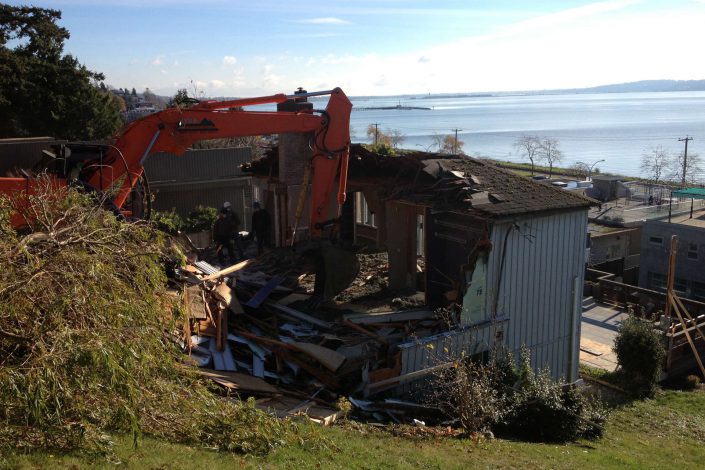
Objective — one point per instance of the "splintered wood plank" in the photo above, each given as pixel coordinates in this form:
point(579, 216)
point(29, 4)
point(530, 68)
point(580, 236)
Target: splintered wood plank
point(291, 298)
point(195, 303)
point(226, 271)
point(239, 382)
point(331, 360)
point(226, 294)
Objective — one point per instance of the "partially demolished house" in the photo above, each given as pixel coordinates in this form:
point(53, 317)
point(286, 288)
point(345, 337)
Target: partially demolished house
point(508, 250)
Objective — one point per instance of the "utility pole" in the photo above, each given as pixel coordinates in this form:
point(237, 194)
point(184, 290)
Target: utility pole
point(685, 157)
point(376, 124)
point(455, 142)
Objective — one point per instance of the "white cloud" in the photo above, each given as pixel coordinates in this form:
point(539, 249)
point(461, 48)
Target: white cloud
point(424, 60)
point(325, 20)
point(165, 72)
point(229, 60)
point(158, 60)
point(217, 84)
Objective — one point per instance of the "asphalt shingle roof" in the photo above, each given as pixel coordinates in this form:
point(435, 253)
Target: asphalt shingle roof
point(462, 182)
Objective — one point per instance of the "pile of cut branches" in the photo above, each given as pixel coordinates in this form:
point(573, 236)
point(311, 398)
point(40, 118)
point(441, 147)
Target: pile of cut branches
point(83, 348)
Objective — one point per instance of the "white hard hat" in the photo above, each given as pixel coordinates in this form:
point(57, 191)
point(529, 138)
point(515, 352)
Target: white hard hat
point(226, 205)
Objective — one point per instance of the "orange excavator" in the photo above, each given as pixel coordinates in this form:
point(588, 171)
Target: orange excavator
point(115, 169)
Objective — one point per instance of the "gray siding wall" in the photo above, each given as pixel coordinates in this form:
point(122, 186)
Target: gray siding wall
point(690, 263)
point(201, 177)
point(544, 262)
point(183, 197)
point(23, 153)
point(197, 165)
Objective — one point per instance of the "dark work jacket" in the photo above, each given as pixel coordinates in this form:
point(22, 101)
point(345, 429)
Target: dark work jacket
point(222, 229)
point(260, 222)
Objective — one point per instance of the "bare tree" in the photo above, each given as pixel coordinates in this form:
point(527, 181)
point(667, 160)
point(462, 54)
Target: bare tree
point(529, 146)
point(550, 153)
point(451, 145)
point(379, 138)
point(396, 137)
point(687, 171)
point(582, 170)
point(655, 163)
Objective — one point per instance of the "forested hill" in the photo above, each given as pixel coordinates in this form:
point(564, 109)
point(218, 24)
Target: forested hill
point(641, 86)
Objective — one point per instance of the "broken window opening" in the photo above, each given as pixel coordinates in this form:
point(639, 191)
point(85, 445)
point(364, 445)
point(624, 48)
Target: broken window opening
point(363, 215)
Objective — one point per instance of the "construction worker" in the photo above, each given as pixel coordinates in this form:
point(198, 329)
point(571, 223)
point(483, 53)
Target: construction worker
point(260, 226)
point(235, 219)
point(223, 237)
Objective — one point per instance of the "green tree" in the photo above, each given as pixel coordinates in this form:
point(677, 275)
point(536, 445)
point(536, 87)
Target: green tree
point(44, 91)
point(182, 99)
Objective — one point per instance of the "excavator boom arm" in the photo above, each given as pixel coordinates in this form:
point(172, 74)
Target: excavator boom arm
point(174, 130)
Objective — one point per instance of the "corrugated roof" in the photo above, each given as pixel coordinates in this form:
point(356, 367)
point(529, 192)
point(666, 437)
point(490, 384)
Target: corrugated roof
point(695, 193)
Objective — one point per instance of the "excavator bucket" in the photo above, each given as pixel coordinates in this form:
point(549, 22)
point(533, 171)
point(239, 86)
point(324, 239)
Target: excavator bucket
point(336, 268)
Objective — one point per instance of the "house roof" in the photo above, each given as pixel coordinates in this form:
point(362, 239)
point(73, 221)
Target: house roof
point(461, 182)
point(445, 181)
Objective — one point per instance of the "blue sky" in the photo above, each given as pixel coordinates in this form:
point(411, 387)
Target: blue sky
point(383, 47)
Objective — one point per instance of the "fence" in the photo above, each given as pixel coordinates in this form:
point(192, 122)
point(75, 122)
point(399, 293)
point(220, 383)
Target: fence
point(650, 303)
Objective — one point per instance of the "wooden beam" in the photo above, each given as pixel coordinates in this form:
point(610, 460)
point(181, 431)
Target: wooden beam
point(685, 310)
point(671, 274)
point(687, 335)
point(226, 271)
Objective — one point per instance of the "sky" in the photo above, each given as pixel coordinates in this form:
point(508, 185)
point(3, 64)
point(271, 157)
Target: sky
point(220, 48)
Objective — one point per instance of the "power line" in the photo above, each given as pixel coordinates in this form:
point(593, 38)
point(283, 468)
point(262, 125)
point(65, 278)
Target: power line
point(455, 142)
point(376, 124)
point(685, 157)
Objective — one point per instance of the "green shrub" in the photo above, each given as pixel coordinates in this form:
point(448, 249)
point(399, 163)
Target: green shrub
point(85, 339)
point(201, 218)
point(542, 409)
point(169, 222)
point(517, 401)
point(466, 392)
point(640, 355)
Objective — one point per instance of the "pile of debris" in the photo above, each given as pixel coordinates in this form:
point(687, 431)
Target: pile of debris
point(254, 333)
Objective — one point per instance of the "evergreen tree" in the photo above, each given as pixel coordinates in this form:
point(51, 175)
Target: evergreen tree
point(44, 91)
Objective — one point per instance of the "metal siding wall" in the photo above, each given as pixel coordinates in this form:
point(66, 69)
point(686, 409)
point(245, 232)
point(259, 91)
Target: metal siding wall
point(184, 197)
point(543, 257)
point(438, 349)
point(197, 164)
point(23, 153)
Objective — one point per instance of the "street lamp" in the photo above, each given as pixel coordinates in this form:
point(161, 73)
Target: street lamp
point(590, 167)
point(426, 149)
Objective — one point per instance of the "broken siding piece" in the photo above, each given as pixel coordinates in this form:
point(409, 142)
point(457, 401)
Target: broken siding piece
point(265, 291)
point(222, 360)
point(301, 316)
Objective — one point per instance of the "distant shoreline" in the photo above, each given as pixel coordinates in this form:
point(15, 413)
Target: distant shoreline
point(397, 107)
point(644, 86)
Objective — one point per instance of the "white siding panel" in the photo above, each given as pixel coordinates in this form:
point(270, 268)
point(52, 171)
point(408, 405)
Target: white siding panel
point(544, 255)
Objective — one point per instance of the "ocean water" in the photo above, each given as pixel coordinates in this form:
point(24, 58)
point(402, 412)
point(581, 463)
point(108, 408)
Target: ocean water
point(616, 127)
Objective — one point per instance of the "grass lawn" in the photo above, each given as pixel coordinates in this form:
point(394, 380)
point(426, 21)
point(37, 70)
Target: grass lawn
point(665, 432)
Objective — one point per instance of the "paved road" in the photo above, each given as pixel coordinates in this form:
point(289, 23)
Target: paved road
point(598, 330)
